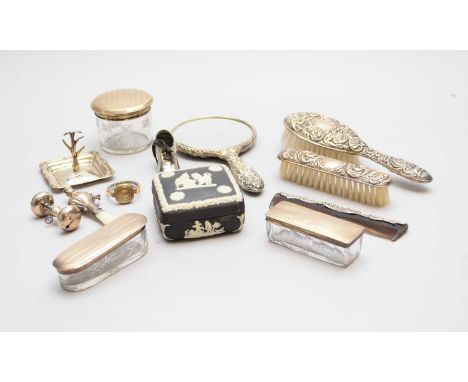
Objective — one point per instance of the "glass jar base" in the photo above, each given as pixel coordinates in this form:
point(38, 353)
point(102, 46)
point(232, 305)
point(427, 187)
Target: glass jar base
point(126, 144)
point(123, 152)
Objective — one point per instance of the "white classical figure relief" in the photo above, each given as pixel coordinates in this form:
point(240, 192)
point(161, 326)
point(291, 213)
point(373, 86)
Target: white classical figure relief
point(195, 180)
point(203, 180)
point(202, 231)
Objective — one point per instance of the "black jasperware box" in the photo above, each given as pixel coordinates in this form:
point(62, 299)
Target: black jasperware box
point(198, 202)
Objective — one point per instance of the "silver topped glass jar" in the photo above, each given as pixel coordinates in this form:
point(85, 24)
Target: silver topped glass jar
point(123, 118)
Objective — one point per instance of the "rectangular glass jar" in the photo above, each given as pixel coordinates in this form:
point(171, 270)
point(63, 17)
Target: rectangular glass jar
point(311, 246)
point(119, 243)
point(314, 233)
point(113, 262)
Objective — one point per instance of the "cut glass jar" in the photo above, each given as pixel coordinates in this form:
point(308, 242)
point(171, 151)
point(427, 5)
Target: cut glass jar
point(313, 233)
point(123, 118)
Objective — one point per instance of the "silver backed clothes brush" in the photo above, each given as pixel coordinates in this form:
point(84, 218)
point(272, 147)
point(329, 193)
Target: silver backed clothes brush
point(373, 225)
point(119, 243)
point(348, 180)
point(332, 138)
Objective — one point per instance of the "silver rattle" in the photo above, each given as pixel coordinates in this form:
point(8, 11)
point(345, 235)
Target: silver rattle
point(68, 218)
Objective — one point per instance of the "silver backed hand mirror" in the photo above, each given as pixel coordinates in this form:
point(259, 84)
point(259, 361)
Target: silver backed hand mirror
point(212, 137)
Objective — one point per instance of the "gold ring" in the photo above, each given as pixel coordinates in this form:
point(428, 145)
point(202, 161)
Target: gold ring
point(123, 191)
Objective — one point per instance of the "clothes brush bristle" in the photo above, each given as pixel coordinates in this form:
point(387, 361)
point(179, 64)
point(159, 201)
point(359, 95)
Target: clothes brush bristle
point(344, 187)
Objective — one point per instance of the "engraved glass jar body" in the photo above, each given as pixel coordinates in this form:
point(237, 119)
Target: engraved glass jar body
point(125, 136)
point(314, 247)
point(115, 261)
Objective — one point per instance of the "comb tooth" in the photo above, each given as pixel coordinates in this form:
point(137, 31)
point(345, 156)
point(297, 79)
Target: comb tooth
point(371, 227)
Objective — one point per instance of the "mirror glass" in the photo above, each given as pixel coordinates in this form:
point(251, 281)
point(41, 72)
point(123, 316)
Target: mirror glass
point(212, 134)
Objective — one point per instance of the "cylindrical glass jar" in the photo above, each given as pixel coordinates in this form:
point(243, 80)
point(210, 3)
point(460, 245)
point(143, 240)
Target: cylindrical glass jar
point(123, 118)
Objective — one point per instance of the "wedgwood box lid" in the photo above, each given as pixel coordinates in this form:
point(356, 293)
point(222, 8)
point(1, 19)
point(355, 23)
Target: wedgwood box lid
point(121, 104)
point(196, 193)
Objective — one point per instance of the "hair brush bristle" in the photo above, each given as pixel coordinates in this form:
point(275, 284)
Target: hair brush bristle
point(333, 184)
point(292, 140)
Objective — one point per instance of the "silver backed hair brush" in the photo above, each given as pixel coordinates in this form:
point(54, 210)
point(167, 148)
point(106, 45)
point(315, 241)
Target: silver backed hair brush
point(373, 225)
point(331, 138)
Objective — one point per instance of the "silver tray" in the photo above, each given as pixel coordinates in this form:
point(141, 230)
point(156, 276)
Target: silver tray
point(92, 167)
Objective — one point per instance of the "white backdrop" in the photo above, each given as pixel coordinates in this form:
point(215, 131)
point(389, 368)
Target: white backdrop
point(411, 105)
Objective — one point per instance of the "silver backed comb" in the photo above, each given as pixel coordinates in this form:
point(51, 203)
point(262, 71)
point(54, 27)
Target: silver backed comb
point(373, 225)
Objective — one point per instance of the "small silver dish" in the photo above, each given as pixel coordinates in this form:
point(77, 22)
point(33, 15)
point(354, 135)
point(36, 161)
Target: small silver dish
point(77, 169)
